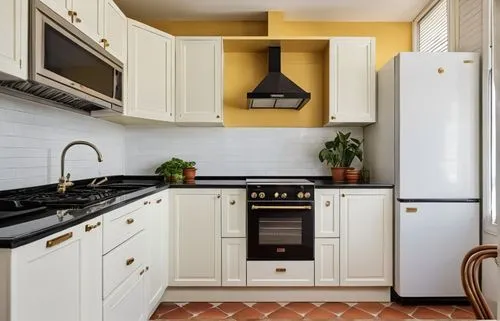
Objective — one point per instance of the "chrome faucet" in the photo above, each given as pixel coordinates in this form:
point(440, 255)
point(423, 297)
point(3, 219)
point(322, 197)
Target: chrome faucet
point(64, 181)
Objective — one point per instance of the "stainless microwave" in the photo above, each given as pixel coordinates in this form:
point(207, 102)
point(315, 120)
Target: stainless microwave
point(68, 67)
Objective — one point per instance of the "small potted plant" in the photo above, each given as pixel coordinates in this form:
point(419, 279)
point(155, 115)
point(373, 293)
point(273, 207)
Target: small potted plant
point(339, 154)
point(171, 170)
point(189, 172)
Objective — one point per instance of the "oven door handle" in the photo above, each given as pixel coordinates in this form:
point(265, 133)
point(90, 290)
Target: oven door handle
point(276, 207)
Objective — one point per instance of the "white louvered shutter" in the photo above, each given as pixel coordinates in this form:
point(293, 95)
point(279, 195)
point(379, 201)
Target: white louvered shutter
point(433, 29)
point(470, 25)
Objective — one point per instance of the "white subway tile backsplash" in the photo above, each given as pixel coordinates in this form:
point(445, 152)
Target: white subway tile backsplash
point(231, 151)
point(32, 137)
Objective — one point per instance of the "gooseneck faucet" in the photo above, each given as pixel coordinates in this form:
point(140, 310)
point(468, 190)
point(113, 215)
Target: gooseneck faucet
point(64, 180)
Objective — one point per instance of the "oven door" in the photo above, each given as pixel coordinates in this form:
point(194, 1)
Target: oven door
point(280, 231)
point(66, 60)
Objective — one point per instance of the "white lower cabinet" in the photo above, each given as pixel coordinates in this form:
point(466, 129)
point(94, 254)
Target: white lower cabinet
point(59, 277)
point(234, 262)
point(156, 263)
point(280, 273)
point(326, 262)
point(234, 210)
point(366, 217)
point(195, 231)
point(128, 301)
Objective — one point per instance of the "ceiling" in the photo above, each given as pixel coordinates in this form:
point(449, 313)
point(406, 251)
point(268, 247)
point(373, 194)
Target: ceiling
point(298, 10)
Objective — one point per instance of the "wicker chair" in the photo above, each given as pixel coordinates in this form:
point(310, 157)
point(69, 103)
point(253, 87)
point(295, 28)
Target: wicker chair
point(470, 279)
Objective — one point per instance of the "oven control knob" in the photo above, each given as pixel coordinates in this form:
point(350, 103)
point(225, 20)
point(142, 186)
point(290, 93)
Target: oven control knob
point(253, 195)
point(307, 195)
point(276, 195)
point(300, 195)
point(262, 195)
point(283, 195)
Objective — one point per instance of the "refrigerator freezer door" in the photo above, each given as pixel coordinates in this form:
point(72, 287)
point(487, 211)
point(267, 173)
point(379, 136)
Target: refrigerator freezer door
point(431, 241)
point(439, 99)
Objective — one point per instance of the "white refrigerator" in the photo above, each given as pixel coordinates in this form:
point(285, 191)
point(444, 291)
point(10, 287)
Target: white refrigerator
point(426, 141)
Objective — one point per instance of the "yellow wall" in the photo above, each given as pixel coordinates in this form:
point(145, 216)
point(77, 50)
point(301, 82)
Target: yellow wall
point(243, 71)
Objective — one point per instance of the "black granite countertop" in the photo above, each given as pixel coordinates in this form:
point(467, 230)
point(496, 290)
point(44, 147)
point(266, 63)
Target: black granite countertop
point(18, 231)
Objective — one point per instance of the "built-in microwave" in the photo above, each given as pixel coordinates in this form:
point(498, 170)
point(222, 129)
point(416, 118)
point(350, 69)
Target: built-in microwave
point(68, 67)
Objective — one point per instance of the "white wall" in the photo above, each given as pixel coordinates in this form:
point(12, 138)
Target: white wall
point(231, 151)
point(32, 137)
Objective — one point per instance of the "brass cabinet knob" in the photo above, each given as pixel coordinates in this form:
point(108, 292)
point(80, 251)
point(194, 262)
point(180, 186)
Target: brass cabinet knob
point(78, 20)
point(343, 195)
point(130, 261)
point(130, 220)
point(218, 116)
point(158, 201)
point(327, 203)
point(145, 202)
point(218, 196)
point(232, 202)
point(90, 227)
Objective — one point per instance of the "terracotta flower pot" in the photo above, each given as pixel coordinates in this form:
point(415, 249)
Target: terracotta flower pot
point(352, 175)
point(338, 174)
point(189, 174)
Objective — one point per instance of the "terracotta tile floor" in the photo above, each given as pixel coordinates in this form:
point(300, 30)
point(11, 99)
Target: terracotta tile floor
point(307, 311)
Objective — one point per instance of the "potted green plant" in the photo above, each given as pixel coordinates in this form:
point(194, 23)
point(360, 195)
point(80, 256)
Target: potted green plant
point(171, 170)
point(339, 154)
point(189, 171)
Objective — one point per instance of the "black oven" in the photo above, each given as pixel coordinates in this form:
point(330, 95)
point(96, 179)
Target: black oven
point(280, 217)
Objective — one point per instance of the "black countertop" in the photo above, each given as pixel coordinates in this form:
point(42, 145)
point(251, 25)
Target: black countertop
point(19, 231)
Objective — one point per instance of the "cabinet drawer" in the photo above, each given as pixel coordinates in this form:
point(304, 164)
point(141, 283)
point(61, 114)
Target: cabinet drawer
point(122, 261)
point(280, 273)
point(121, 224)
point(127, 302)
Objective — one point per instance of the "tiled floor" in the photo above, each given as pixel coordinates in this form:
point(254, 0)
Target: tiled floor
point(309, 311)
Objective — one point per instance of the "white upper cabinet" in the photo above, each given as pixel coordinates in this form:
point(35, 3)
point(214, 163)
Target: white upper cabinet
point(352, 81)
point(14, 39)
point(150, 89)
point(234, 210)
point(115, 31)
point(199, 82)
point(195, 237)
point(88, 16)
point(61, 7)
point(366, 237)
point(327, 214)
point(59, 278)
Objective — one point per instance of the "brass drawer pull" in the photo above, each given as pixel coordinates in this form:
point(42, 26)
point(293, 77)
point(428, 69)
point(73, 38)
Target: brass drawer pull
point(145, 202)
point(90, 227)
point(411, 210)
point(280, 269)
point(130, 261)
point(59, 239)
point(142, 272)
point(130, 221)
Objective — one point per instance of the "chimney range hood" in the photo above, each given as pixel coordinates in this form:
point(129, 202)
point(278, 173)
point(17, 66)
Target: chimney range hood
point(276, 90)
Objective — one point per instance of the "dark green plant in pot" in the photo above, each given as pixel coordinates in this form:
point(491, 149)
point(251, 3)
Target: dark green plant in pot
point(339, 154)
point(171, 170)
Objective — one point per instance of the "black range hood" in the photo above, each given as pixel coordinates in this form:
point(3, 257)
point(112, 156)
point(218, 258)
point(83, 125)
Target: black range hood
point(276, 90)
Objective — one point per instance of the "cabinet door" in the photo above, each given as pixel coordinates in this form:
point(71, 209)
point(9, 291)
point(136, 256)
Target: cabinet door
point(195, 253)
point(14, 39)
point(61, 7)
point(326, 262)
point(155, 277)
point(115, 31)
point(234, 209)
point(150, 73)
point(234, 262)
point(59, 278)
point(366, 217)
point(199, 80)
point(89, 17)
point(327, 208)
point(352, 81)
point(127, 301)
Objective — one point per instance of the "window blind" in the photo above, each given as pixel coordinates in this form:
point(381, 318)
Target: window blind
point(433, 29)
point(470, 25)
